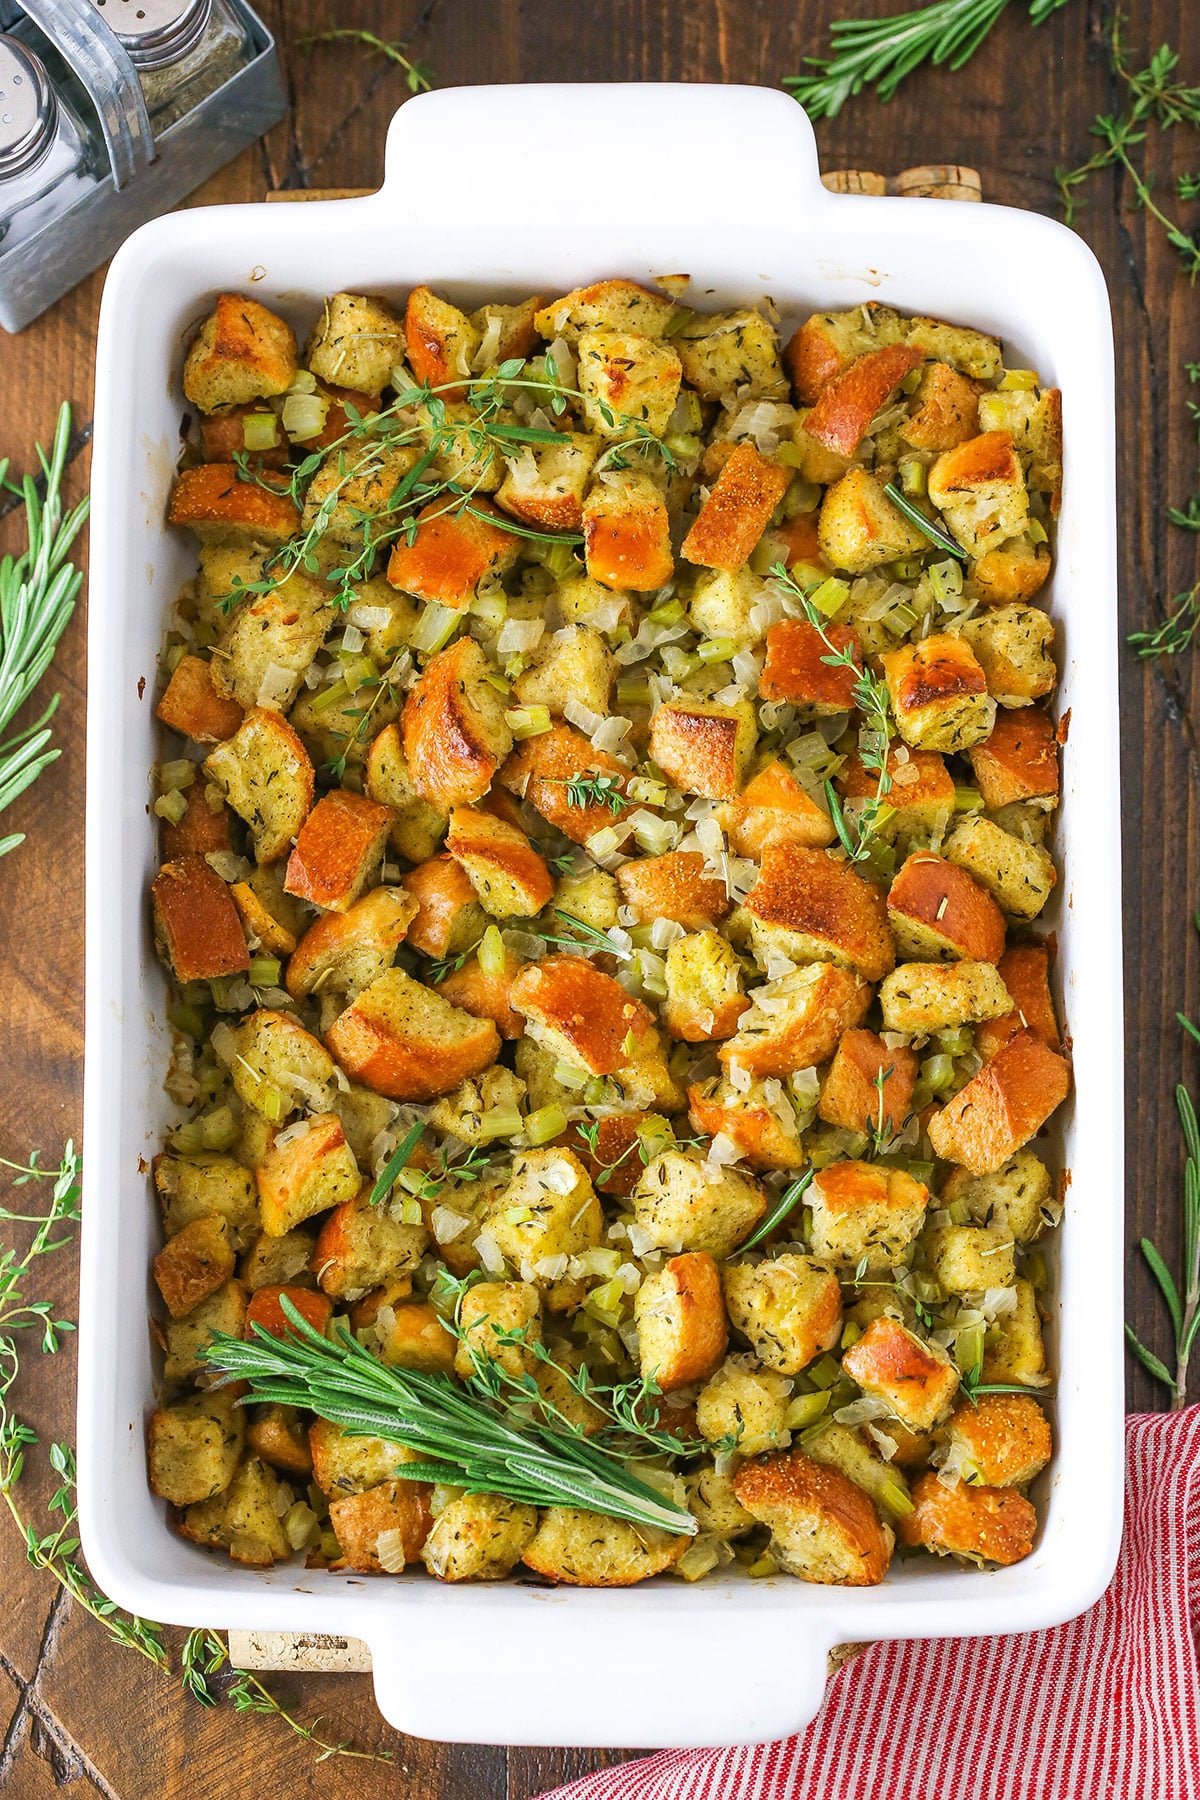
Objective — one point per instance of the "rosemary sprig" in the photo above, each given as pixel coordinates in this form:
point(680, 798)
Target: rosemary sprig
point(970, 1384)
point(783, 1208)
point(1177, 629)
point(37, 597)
point(418, 77)
point(386, 1179)
point(923, 523)
point(1184, 1309)
point(583, 935)
point(427, 1184)
point(204, 1657)
point(462, 1439)
point(881, 52)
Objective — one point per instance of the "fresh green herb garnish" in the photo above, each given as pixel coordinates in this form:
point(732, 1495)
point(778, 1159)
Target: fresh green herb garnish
point(1184, 1308)
point(923, 522)
point(386, 1179)
point(585, 935)
point(1177, 629)
point(783, 1208)
point(204, 1657)
point(596, 790)
point(418, 77)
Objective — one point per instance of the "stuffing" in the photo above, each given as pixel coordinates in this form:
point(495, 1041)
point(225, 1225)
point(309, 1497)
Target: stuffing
point(771, 807)
point(1033, 417)
point(343, 953)
point(1014, 571)
point(980, 1524)
point(715, 1506)
point(448, 918)
point(265, 1310)
point(797, 1021)
point(869, 1086)
point(357, 343)
point(938, 912)
point(194, 1187)
point(763, 1130)
point(859, 528)
point(338, 850)
point(622, 1145)
point(1003, 1440)
point(487, 993)
point(915, 1379)
point(682, 1329)
point(920, 794)
point(939, 693)
point(361, 1246)
point(352, 488)
point(273, 920)
point(490, 1313)
point(196, 924)
point(841, 1447)
point(1017, 1199)
point(865, 1210)
point(265, 774)
point(309, 1168)
point(510, 878)
point(215, 503)
point(1020, 877)
point(585, 1549)
point(507, 331)
point(797, 669)
point(193, 1264)
point(195, 1448)
point(383, 1528)
point(682, 1202)
point(722, 603)
point(1002, 1107)
point(192, 706)
point(704, 746)
point(1025, 971)
point(627, 533)
point(478, 1537)
point(704, 988)
point(979, 489)
point(846, 405)
point(733, 353)
point(549, 1210)
point(823, 1527)
point(344, 1463)
point(737, 511)
point(572, 664)
point(789, 1310)
point(542, 769)
point(414, 1337)
point(441, 341)
point(745, 1404)
point(1012, 646)
point(278, 1261)
point(462, 1113)
point(675, 886)
point(404, 1040)
point(1018, 761)
point(451, 552)
point(278, 1437)
point(243, 352)
point(808, 906)
point(201, 830)
point(1013, 1349)
point(827, 343)
point(269, 641)
point(187, 1339)
point(583, 1016)
point(944, 411)
point(919, 998)
point(627, 380)
point(968, 1259)
point(417, 827)
point(972, 353)
point(279, 1068)
point(245, 1519)
point(453, 728)
point(605, 306)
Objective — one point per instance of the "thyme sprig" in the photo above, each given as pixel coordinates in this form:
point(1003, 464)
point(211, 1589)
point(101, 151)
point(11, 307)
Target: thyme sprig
point(882, 52)
point(418, 77)
point(596, 790)
point(204, 1657)
point(1184, 1308)
point(1177, 630)
point(1188, 517)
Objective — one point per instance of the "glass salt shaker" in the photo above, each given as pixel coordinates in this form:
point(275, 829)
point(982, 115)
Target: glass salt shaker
point(182, 50)
point(48, 156)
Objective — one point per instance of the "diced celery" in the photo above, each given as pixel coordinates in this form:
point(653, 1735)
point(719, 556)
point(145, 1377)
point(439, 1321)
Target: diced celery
point(959, 1212)
point(967, 799)
point(500, 1121)
point(762, 1565)
point(633, 690)
point(492, 955)
point(912, 381)
point(331, 696)
point(498, 682)
point(765, 554)
point(938, 1072)
point(527, 721)
point(1020, 378)
point(895, 1498)
point(805, 1410)
point(669, 613)
point(920, 1171)
point(188, 1138)
point(913, 479)
point(717, 650)
point(304, 416)
point(790, 455)
point(1037, 531)
point(435, 627)
point(830, 597)
point(683, 444)
point(260, 431)
point(1034, 1269)
point(188, 1019)
point(205, 633)
point(957, 1039)
point(802, 497)
point(806, 575)
point(178, 774)
point(646, 791)
point(546, 1123)
point(264, 971)
point(968, 1348)
point(928, 1291)
point(595, 1091)
point(560, 560)
point(825, 1372)
point(219, 1129)
point(850, 1334)
point(945, 578)
point(303, 382)
point(175, 656)
point(410, 1212)
point(270, 1102)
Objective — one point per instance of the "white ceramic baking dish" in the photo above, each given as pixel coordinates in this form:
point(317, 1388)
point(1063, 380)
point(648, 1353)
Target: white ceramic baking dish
point(503, 191)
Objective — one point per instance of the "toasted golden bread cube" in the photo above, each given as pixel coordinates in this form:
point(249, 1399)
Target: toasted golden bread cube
point(682, 1329)
point(920, 794)
point(823, 1527)
point(507, 331)
point(811, 908)
point(269, 641)
point(797, 1021)
point(356, 343)
point(192, 1187)
point(542, 768)
point(461, 1114)
point(859, 528)
point(441, 342)
point(771, 807)
point(280, 1068)
point(192, 706)
point(763, 1128)
point(747, 1404)
point(862, 1209)
point(362, 1246)
point(187, 1339)
point(266, 776)
point(345, 1464)
point(623, 1143)
point(723, 602)
point(585, 1549)
point(841, 1447)
point(627, 380)
point(452, 551)
point(922, 997)
point(828, 342)
point(675, 886)
point(968, 1259)
point(196, 923)
point(797, 670)
point(510, 878)
point(1017, 1199)
point(548, 1211)
point(627, 534)
point(944, 412)
point(1014, 571)
point(201, 830)
point(980, 1524)
point(683, 1202)
point(916, 1379)
point(266, 1312)
point(487, 994)
point(939, 693)
point(491, 1309)
point(732, 353)
point(704, 746)
point(1014, 1350)
point(847, 403)
point(580, 600)
point(452, 432)
point(1034, 418)
point(868, 1087)
point(583, 1016)
point(715, 1506)
point(273, 920)
point(1025, 971)
point(572, 664)
point(338, 850)
point(1003, 1440)
point(704, 988)
point(453, 729)
point(343, 953)
point(278, 1436)
point(384, 1528)
point(592, 897)
point(449, 918)
point(1020, 877)
point(606, 306)
point(353, 485)
point(413, 1337)
point(404, 1040)
point(243, 352)
point(1012, 645)
point(789, 1308)
point(1002, 1107)
point(225, 574)
point(309, 1168)
point(220, 507)
point(972, 353)
point(417, 827)
point(245, 1519)
point(197, 1260)
point(737, 511)
point(478, 1537)
point(938, 912)
point(1018, 761)
point(195, 1448)
point(277, 1261)
point(979, 489)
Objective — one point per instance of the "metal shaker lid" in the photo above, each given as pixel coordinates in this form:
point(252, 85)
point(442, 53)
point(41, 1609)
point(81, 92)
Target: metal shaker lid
point(155, 32)
point(28, 109)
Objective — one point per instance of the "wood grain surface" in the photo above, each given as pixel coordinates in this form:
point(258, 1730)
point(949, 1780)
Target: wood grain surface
point(86, 1716)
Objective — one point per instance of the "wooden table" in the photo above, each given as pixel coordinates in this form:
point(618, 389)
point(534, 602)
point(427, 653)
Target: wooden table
point(79, 1708)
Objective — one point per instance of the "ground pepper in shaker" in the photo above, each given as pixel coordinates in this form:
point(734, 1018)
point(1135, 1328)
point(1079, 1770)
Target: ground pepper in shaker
point(182, 50)
point(48, 160)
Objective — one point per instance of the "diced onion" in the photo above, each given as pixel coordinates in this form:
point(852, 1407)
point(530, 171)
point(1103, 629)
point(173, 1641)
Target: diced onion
point(519, 635)
point(304, 416)
point(581, 716)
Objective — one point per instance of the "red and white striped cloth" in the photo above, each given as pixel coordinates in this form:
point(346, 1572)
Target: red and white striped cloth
point(1106, 1707)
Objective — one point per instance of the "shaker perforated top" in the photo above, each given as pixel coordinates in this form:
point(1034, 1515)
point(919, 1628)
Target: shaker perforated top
point(155, 32)
point(28, 109)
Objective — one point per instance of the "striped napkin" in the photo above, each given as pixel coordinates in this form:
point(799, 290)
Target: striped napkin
point(1106, 1707)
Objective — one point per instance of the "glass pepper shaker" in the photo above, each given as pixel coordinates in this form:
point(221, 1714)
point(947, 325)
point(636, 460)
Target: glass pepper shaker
point(182, 50)
point(48, 156)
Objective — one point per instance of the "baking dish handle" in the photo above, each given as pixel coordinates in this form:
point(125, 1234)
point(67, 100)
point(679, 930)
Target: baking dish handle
point(557, 151)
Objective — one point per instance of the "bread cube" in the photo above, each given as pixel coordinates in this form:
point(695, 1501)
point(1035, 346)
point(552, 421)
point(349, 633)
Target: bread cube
point(944, 412)
point(384, 1528)
point(280, 1068)
point(627, 380)
point(194, 1262)
point(572, 664)
point(404, 1040)
point(623, 1143)
point(823, 1527)
point(1003, 1440)
point(714, 1505)
point(195, 1448)
point(581, 1015)
point(478, 1537)
point(789, 1308)
point(1020, 877)
point(797, 1021)
point(916, 1379)
point(353, 486)
point(771, 807)
point(448, 917)
point(745, 1404)
point(187, 1339)
point(191, 705)
point(225, 574)
point(487, 994)
point(868, 1087)
point(575, 602)
point(921, 792)
point(345, 1464)
point(223, 437)
point(841, 1447)
point(704, 988)
point(592, 897)
point(414, 1337)
point(278, 1436)
point(737, 510)
point(461, 1113)
point(417, 827)
point(829, 342)
point(1018, 761)
point(1015, 1200)
point(549, 1210)
point(451, 552)
point(605, 306)
point(508, 331)
point(682, 1329)
point(441, 342)
point(675, 886)
point(1025, 971)
point(266, 776)
point(815, 463)
point(966, 1259)
point(309, 1168)
point(243, 352)
point(266, 1309)
point(453, 727)
point(865, 1210)
point(1014, 571)
point(363, 1246)
point(193, 1187)
point(585, 1549)
point(971, 352)
point(703, 746)
point(859, 528)
point(979, 489)
point(731, 354)
point(763, 1130)
point(338, 850)
point(626, 533)
point(1002, 1107)
point(490, 1314)
point(1014, 1350)
point(810, 907)
point(979, 1524)
point(343, 953)
point(1034, 418)
point(1012, 646)
point(848, 402)
point(200, 831)
point(269, 641)
point(922, 997)
point(196, 924)
point(938, 913)
point(273, 920)
point(797, 670)
point(722, 603)
point(541, 770)
point(939, 693)
point(278, 1262)
point(221, 507)
point(506, 872)
point(357, 343)
point(685, 1203)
